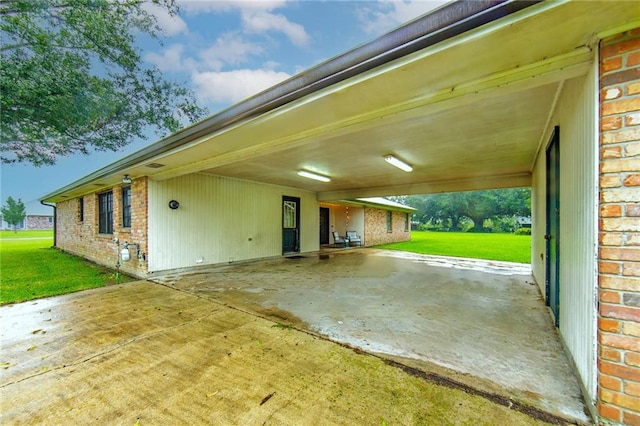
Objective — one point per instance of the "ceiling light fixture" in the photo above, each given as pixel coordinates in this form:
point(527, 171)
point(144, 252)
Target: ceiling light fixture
point(398, 163)
point(126, 179)
point(315, 176)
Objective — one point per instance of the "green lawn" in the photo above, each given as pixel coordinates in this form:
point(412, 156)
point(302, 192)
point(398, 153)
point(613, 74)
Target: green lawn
point(31, 269)
point(505, 247)
point(26, 234)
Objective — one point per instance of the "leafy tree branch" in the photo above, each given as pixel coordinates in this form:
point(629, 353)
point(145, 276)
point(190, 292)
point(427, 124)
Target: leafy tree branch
point(72, 79)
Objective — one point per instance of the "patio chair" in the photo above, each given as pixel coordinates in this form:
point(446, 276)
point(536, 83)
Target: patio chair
point(354, 239)
point(338, 241)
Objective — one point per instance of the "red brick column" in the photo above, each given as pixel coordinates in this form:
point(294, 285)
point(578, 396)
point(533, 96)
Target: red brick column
point(619, 227)
point(140, 218)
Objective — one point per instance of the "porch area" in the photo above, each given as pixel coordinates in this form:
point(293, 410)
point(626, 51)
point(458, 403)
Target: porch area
point(480, 323)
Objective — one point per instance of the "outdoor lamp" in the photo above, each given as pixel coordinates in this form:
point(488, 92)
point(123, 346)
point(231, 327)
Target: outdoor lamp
point(126, 179)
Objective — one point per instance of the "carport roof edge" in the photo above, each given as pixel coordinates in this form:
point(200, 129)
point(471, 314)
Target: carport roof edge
point(439, 25)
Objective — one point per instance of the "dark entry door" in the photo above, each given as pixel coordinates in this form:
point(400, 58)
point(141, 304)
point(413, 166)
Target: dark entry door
point(290, 224)
point(324, 225)
point(553, 226)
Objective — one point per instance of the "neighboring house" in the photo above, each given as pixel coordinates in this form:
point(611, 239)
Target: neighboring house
point(474, 95)
point(38, 217)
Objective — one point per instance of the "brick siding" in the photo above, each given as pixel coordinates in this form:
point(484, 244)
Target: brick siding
point(375, 227)
point(82, 237)
point(619, 227)
point(39, 222)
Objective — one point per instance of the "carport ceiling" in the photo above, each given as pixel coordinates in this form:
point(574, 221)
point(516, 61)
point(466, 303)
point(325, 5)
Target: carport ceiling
point(470, 112)
point(474, 140)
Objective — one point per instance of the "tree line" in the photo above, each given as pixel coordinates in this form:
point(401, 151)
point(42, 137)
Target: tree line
point(475, 211)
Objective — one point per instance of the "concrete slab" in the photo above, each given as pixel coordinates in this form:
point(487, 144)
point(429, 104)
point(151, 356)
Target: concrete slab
point(480, 322)
point(142, 353)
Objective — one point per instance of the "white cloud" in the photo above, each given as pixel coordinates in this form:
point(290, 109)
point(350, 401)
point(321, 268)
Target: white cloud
point(217, 6)
point(228, 49)
point(233, 86)
point(171, 25)
point(271, 65)
point(408, 10)
point(263, 21)
point(257, 16)
point(169, 60)
point(388, 14)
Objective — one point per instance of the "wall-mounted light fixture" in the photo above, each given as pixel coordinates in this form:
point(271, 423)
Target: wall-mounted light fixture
point(173, 204)
point(398, 163)
point(314, 176)
point(126, 179)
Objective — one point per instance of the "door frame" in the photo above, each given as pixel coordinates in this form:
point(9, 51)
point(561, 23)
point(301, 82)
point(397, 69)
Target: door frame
point(552, 229)
point(296, 228)
point(325, 238)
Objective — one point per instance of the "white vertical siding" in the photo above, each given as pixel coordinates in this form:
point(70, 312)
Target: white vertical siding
point(221, 219)
point(576, 116)
point(538, 220)
point(578, 224)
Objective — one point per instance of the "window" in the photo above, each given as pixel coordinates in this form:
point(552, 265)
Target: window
point(389, 221)
point(406, 222)
point(105, 213)
point(126, 207)
point(81, 209)
point(289, 215)
point(50, 219)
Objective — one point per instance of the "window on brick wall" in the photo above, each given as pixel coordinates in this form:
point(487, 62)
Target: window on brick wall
point(389, 221)
point(81, 209)
point(105, 213)
point(406, 222)
point(126, 207)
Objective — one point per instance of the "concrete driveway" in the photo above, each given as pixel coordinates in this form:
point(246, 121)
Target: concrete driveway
point(213, 347)
point(482, 323)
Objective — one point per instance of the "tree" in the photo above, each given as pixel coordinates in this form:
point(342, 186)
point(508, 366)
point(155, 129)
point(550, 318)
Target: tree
point(13, 213)
point(451, 209)
point(72, 80)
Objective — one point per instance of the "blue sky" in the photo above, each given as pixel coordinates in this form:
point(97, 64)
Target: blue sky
point(227, 51)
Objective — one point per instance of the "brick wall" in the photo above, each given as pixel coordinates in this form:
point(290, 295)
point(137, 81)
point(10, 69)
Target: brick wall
point(39, 222)
point(82, 237)
point(375, 227)
point(619, 226)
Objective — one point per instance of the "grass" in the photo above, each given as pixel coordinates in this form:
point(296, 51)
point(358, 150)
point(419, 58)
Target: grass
point(504, 247)
point(26, 234)
point(31, 268)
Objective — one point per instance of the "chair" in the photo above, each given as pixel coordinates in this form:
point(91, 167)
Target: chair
point(353, 238)
point(338, 241)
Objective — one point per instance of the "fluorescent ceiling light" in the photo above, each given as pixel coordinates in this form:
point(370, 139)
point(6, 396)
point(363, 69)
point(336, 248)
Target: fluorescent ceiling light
point(398, 163)
point(310, 175)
